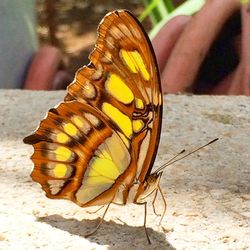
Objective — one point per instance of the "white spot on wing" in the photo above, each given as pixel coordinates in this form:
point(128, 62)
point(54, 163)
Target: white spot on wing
point(92, 119)
point(98, 72)
point(143, 153)
point(55, 186)
point(135, 32)
point(125, 30)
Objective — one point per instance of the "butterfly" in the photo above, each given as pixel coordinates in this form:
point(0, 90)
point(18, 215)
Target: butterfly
point(98, 146)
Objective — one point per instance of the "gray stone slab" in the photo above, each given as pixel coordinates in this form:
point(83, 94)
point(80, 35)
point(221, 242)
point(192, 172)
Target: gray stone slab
point(208, 193)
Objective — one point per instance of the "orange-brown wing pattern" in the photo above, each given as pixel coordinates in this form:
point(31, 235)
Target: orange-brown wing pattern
point(72, 144)
point(124, 50)
point(92, 147)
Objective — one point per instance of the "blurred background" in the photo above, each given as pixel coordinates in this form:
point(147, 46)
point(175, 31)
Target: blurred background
point(44, 42)
point(71, 24)
point(69, 28)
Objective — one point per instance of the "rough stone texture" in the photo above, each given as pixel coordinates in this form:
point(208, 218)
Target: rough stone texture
point(208, 193)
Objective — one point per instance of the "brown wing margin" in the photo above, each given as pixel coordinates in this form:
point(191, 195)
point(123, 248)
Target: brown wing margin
point(156, 108)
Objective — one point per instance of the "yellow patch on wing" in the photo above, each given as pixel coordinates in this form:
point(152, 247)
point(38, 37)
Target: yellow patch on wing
point(139, 103)
point(137, 125)
point(62, 137)
point(116, 87)
point(110, 161)
point(103, 167)
point(101, 176)
point(63, 154)
point(117, 151)
point(56, 169)
point(135, 62)
point(95, 180)
point(70, 129)
point(60, 170)
point(89, 190)
point(124, 139)
point(77, 121)
point(119, 118)
point(104, 154)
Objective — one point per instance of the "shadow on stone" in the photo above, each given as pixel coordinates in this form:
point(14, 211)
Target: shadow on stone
point(117, 236)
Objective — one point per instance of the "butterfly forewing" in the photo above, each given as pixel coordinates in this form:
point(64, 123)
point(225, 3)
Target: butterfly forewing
point(91, 148)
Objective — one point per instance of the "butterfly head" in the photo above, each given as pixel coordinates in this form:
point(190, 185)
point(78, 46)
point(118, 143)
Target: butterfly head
point(154, 178)
point(149, 186)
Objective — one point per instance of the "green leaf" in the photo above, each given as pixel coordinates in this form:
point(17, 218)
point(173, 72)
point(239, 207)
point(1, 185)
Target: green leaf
point(148, 9)
point(187, 8)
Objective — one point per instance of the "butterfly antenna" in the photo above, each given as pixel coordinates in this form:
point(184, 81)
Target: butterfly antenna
point(173, 160)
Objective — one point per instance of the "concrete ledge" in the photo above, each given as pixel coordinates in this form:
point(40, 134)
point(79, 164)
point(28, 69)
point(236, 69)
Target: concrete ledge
point(208, 193)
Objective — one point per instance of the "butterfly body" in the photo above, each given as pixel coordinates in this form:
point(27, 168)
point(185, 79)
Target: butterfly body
point(98, 146)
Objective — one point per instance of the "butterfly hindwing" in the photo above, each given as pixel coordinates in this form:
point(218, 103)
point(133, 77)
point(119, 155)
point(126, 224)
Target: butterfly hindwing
point(77, 155)
point(92, 147)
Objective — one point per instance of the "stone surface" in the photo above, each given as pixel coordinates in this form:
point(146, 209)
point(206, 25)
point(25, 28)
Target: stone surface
point(207, 193)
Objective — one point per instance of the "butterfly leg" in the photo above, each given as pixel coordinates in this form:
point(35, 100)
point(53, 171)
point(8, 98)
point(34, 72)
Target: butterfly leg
point(153, 203)
point(100, 222)
point(145, 219)
point(164, 202)
point(93, 212)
